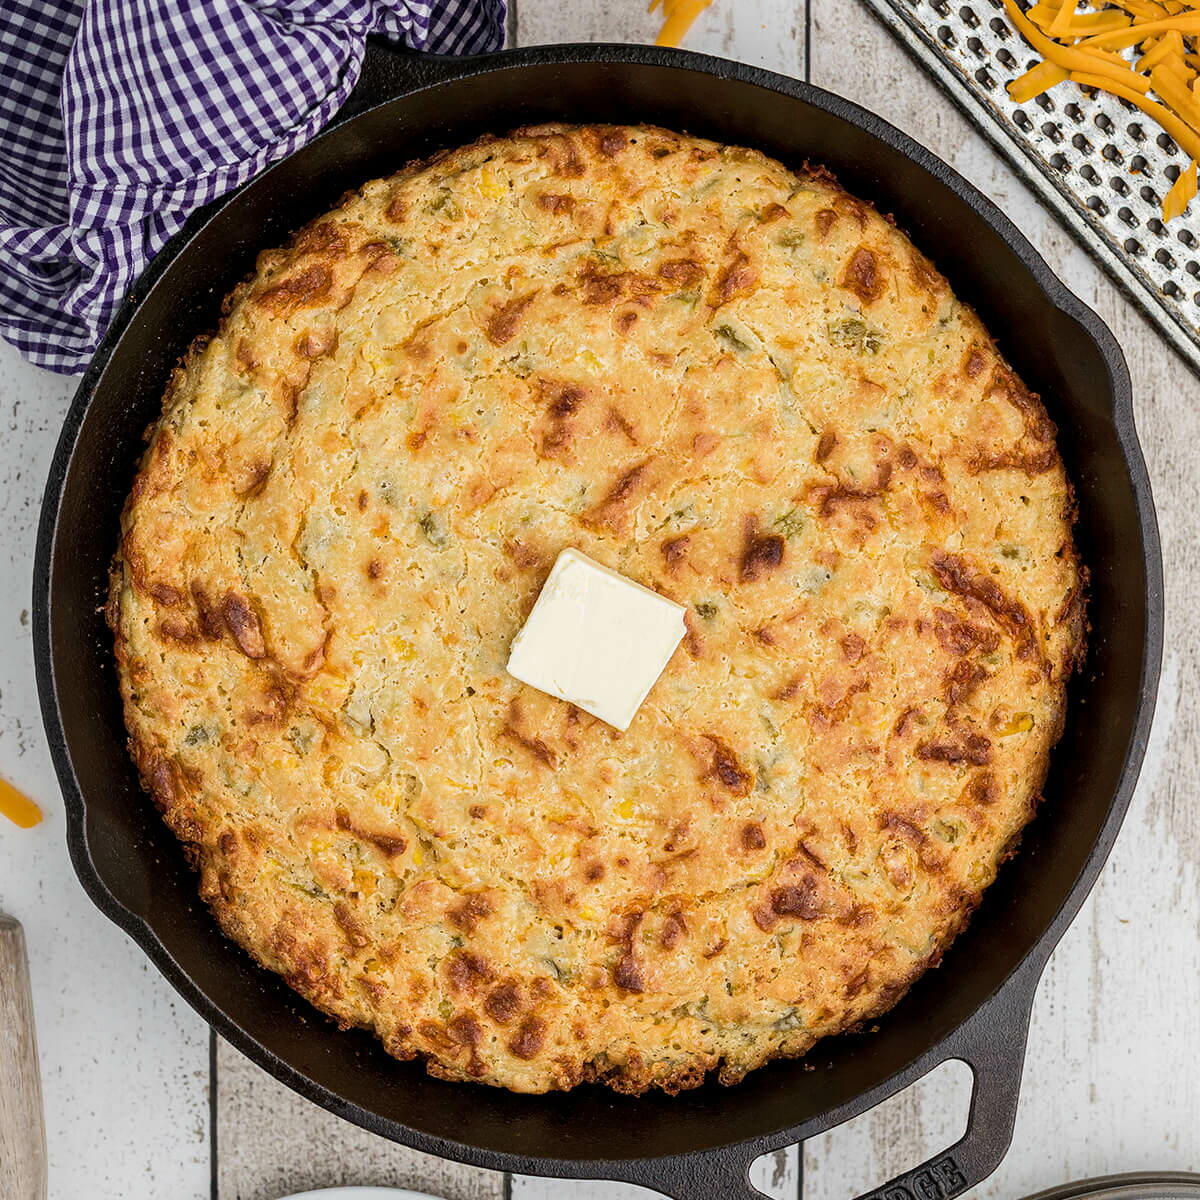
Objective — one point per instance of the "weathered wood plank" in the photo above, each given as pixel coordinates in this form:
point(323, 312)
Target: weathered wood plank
point(770, 34)
point(775, 1175)
point(903, 1131)
point(272, 1142)
point(124, 1061)
point(767, 33)
point(1108, 1081)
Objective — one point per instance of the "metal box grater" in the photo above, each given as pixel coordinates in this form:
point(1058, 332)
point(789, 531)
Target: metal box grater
point(1100, 164)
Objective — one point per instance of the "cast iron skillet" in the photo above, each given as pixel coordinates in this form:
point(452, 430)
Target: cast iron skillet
point(698, 1145)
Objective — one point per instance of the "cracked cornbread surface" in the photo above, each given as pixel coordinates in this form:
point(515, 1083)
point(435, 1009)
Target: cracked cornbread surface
point(735, 384)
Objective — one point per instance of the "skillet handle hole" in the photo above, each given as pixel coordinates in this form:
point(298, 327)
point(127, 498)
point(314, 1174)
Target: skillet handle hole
point(908, 1128)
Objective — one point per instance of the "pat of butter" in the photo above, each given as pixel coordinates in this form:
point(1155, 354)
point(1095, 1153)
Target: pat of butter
point(596, 639)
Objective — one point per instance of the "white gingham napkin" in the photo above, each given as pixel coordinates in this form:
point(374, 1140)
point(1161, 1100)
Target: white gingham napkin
point(119, 117)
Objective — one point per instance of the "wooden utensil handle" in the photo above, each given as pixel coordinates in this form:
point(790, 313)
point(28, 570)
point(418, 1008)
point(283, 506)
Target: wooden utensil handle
point(22, 1129)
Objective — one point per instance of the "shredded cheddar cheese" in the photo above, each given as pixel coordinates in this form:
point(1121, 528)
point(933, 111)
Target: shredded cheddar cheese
point(18, 808)
point(1140, 8)
point(678, 16)
point(1086, 48)
point(1077, 25)
point(1036, 81)
point(1181, 193)
point(1161, 50)
point(1137, 33)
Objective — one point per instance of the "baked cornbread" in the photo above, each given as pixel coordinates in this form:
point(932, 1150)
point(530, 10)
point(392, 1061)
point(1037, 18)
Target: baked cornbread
point(734, 383)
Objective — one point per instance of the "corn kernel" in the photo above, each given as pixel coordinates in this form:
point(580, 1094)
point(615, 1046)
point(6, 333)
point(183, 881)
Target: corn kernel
point(17, 807)
point(625, 809)
point(403, 649)
point(489, 186)
point(1020, 723)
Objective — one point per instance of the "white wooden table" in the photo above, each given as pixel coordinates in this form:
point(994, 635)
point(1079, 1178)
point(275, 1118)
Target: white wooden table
point(143, 1103)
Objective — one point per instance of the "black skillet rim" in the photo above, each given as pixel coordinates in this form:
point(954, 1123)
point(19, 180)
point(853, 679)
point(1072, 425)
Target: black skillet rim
point(427, 72)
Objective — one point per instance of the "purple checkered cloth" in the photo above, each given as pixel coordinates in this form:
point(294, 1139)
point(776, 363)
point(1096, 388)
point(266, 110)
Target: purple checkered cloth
point(119, 117)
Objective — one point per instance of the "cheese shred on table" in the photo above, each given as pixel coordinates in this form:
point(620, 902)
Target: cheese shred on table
point(678, 16)
point(17, 807)
point(1084, 47)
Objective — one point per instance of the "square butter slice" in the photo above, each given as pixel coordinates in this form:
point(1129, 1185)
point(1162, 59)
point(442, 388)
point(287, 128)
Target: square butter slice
point(596, 639)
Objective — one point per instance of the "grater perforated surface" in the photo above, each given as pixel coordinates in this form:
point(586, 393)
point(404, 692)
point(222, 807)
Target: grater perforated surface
point(1097, 161)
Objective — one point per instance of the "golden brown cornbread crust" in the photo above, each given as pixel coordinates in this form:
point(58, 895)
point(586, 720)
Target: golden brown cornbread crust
point(736, 384)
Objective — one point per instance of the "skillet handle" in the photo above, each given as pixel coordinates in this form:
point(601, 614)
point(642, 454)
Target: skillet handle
point(722, 1174)
point(992, 1044)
